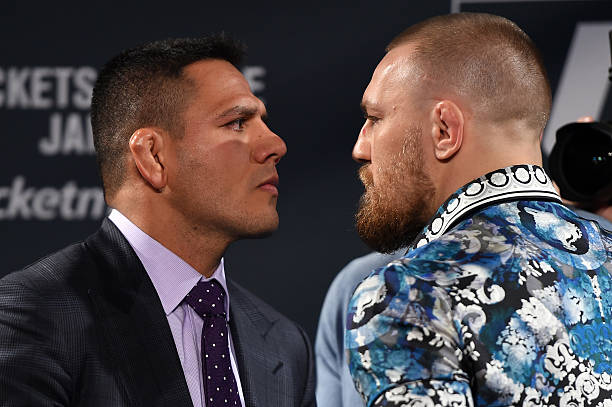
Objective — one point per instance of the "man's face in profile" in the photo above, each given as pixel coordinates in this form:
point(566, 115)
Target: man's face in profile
point(223, 167)
point(394, 207)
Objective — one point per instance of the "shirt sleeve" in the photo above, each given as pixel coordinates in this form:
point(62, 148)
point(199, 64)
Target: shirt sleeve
point(403, 345)
point(328, 354)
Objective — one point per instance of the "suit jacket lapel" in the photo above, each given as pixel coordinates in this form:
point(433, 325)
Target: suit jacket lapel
point(134, 324)
point(258, 363)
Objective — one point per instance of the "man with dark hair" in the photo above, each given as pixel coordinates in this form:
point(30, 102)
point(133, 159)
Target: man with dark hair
point(141, 313)
point(505, 295)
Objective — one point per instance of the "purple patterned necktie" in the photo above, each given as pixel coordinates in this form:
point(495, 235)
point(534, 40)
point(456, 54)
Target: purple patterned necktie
point(207, 299)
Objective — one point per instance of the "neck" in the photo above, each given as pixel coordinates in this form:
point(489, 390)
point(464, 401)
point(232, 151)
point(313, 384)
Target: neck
point(482, 153)
point(200, 248)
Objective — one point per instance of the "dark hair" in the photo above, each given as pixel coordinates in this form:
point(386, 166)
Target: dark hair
point(487, 58)
point(145, 86)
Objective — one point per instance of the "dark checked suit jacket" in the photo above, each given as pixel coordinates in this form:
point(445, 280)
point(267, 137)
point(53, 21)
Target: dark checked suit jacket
point(85, 327)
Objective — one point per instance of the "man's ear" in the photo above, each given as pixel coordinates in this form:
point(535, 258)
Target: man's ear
point(149, 155)
point(448, 127)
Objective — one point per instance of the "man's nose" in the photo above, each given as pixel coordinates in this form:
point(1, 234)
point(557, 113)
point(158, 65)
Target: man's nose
point(271, 146)
point(361, 150)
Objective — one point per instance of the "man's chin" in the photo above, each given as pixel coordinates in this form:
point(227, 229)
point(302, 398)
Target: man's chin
point(260, 228)
point(259, 234)
point(387, 244)
point(386, 234)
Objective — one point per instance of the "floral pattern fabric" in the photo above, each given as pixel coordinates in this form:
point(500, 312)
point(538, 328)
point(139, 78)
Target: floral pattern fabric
point(509, 305)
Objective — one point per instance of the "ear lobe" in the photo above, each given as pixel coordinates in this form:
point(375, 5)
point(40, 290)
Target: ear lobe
point(147, 149)
point(448, 129)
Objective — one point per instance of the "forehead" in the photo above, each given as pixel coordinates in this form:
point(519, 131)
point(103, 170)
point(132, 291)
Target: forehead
point(394, 78)
point(218, 84)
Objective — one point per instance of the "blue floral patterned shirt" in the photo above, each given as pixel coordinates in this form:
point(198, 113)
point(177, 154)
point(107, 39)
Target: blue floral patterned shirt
point(505, 299)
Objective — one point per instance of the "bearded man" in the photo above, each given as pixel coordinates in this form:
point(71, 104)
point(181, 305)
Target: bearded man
point(504, 296)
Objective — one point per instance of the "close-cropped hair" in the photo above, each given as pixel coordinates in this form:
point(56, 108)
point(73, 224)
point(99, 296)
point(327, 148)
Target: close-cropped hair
point(487, 59)
point(145, 87)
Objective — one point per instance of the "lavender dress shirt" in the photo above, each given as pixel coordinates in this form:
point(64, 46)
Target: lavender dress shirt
point(173, 278)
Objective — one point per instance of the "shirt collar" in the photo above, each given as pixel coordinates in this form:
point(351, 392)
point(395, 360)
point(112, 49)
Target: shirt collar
point(510, 183)
point(171, 276)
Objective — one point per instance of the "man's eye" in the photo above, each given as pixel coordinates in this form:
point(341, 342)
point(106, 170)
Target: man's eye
point(370, 118)
point(236, 125)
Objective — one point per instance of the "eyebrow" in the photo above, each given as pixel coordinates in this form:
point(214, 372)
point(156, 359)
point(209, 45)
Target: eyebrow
point(241, 110)
point(368, 105)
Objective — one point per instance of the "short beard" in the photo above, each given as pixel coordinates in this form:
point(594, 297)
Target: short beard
point(392, 213)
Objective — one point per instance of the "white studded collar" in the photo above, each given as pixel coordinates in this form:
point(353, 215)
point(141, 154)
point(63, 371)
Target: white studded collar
point(510, 183)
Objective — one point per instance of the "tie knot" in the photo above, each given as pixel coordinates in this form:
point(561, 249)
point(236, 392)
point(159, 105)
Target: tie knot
point(207, 298)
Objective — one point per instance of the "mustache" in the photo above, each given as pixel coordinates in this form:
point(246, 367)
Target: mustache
point(365, 175)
